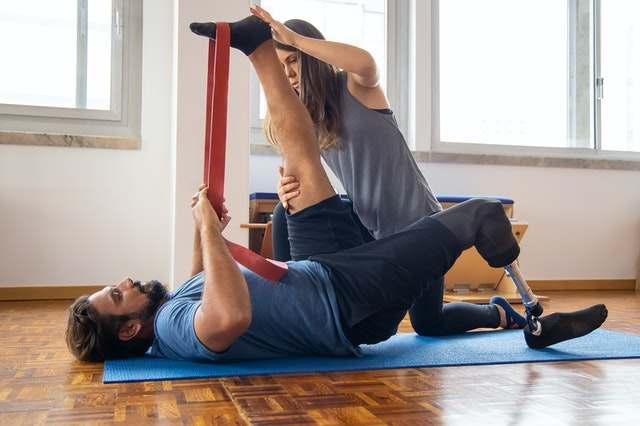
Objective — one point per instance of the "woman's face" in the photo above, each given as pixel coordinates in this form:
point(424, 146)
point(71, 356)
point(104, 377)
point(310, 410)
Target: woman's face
point(291, 66)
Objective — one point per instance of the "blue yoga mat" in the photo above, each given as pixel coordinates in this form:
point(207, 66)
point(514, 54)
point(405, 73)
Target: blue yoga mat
point(400, 351)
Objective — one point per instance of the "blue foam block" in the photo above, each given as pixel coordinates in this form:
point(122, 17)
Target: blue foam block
point(400, 351)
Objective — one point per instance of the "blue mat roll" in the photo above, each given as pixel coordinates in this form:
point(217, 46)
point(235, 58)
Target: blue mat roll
point(400, 351)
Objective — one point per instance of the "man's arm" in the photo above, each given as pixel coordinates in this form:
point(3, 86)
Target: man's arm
point(225, 311)
point(196, 259)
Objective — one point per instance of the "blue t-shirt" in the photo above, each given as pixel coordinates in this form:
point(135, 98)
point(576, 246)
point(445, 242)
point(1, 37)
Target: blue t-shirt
point(297, 316)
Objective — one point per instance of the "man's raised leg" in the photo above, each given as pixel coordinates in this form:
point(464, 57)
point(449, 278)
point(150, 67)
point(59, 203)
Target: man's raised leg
point(290, 120)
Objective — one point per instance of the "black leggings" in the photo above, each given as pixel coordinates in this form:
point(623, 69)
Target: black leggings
point(332, 226)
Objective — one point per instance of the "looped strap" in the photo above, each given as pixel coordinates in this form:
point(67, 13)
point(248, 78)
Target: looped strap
point(215, 145)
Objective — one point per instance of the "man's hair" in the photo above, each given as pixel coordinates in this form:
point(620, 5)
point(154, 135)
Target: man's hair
point(94, 337)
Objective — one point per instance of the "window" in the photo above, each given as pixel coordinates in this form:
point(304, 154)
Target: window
point(71, 59)
point(551, 74)
point(620, 69)
point(358, 22)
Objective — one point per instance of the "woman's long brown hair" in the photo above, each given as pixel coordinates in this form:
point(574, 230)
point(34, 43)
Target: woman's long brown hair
point(319, 89)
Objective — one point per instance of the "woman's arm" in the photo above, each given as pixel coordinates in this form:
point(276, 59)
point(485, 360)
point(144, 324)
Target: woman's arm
point(349, 58)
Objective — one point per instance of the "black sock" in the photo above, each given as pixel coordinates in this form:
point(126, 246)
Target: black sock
point(246, 35)
point(559, 327)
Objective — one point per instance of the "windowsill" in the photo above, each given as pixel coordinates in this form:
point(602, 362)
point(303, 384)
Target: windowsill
point(515, 159)
point(72, 141)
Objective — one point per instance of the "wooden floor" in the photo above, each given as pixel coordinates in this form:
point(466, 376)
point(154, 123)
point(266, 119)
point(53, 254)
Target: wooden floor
point(41, 384)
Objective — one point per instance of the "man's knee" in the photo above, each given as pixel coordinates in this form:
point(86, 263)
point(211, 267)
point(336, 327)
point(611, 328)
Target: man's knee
point(494, 208)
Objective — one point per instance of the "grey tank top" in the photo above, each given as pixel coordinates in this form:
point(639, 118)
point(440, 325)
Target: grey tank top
point(376, 169)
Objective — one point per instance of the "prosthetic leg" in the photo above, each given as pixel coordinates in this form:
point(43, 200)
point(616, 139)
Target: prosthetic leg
point(529, 300)
point(482, 223)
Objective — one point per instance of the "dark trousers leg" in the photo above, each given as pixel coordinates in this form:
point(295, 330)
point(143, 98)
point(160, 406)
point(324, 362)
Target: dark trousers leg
point(428, 315)
point(280, 234)
point(383, 278)
point(431, 317)
point(326, 228)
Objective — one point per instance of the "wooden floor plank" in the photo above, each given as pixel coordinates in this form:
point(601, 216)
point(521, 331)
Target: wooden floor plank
point(41, 384)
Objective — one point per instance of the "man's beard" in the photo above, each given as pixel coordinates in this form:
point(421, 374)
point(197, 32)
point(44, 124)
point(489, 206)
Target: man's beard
point(156, 292)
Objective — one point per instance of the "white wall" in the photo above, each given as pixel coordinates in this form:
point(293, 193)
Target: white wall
point(84, 216)
point(584, 224)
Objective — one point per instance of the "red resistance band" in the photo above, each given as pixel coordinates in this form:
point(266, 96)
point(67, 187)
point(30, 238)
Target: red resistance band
point(214, 149)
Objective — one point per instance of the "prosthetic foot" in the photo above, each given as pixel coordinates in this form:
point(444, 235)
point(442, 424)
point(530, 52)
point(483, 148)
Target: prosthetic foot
point(541, 332)
point(558, 327)
point(246, 35)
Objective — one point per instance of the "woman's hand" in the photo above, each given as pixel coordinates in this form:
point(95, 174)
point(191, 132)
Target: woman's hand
point(287, 188)
point(203, 213)
point(281, 33)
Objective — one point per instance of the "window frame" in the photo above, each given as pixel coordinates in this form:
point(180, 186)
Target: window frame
point(426, 137)
point(123, 118)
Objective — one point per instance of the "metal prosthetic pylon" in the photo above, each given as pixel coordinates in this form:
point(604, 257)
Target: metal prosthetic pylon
point(530, 301)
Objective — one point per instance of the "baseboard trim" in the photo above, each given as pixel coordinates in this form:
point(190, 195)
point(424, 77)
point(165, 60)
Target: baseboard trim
point(72, 292)
point(559, 285)
point(46, 292)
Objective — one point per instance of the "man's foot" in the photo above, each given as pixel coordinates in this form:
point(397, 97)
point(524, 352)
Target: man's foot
point(509, 317)
point(246, 35)
point(559, 327)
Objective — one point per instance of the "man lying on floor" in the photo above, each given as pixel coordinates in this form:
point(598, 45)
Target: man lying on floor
point(327, 305)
